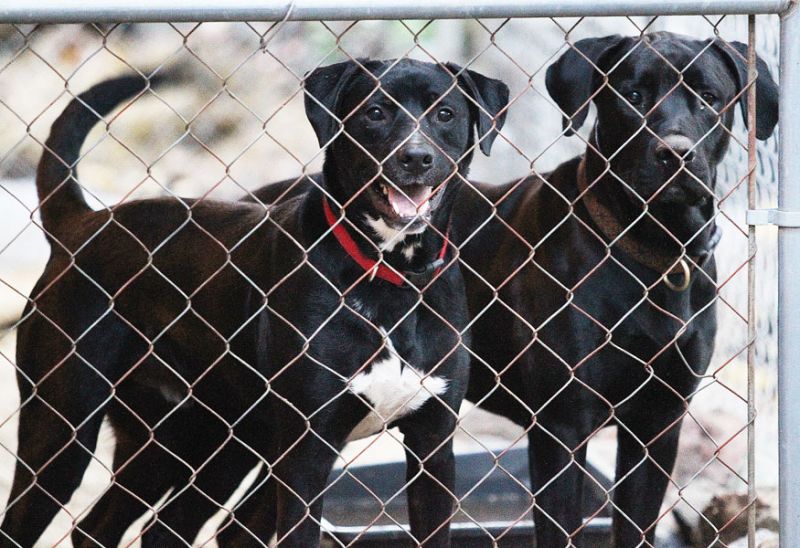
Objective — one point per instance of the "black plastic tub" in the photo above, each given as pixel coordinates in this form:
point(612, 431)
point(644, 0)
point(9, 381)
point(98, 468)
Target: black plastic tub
point(365, 510)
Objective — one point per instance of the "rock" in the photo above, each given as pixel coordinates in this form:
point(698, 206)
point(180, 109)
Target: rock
point(725, 521)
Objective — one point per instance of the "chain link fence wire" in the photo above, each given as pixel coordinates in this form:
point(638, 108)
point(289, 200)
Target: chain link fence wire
point(235, 122)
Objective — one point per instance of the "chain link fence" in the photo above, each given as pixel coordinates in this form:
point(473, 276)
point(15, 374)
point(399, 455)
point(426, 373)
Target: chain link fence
point(293, 248)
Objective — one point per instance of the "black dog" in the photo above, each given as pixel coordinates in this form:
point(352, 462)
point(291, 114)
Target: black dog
point(604, 271)
point(607, 291)
point(157, 311)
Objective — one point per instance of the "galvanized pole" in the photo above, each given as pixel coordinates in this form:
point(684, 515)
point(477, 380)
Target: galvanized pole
point(789, 281)
point(751, 284)
point(76, 11)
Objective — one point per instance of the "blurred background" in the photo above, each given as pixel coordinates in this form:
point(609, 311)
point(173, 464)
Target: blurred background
point(237, 123)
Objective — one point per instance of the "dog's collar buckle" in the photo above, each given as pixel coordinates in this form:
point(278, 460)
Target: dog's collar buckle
point(686, 272)
point(425, 275)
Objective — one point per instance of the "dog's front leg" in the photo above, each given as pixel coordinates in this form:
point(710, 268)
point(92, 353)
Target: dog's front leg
point(301, 471)
point(646, 451)
point(555, 461)
point(430, 473)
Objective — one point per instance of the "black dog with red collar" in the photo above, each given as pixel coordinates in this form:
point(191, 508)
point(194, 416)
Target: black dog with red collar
point(289, 343)
point(578, 325)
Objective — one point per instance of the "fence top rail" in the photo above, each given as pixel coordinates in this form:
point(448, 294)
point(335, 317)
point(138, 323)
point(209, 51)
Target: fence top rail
point(102, 11)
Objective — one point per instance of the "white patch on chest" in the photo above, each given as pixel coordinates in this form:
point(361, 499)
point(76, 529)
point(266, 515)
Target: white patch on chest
point(408, 251)
point(389, 236)
point(393, 391)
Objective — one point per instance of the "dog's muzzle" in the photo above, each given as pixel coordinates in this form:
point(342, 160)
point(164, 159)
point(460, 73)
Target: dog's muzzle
point(674, 151)
point(678, 160)
point(407, 201)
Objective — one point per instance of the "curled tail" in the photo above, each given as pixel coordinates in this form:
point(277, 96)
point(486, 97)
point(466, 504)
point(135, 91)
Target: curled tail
point(60, 196)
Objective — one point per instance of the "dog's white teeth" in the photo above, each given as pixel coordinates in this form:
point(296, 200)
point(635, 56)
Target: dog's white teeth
point(410, 201)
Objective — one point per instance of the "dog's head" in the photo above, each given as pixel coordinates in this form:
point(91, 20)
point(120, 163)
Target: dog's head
point(398, 131)
point(664, 104)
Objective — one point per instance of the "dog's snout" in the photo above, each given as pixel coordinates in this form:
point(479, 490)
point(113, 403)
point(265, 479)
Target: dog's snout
point(673, 149)
point(416, 159)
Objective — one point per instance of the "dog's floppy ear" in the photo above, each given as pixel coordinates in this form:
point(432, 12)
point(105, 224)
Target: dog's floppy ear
point(572, 79)
point(490, 98)
point(323, 97)
point(766, 88)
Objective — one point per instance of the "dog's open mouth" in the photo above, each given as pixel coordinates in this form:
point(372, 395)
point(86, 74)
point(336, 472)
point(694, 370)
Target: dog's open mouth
point(407, 202)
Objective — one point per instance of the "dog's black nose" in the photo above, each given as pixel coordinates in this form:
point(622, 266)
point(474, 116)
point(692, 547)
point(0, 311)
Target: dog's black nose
point(416, 159)
point(673, 149)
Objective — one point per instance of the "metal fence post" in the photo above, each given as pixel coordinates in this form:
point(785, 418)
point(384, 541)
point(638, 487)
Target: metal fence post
point(75, 11)
point(788, 283)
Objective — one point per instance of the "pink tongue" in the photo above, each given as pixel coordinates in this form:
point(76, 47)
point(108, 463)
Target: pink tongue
point(406, 207)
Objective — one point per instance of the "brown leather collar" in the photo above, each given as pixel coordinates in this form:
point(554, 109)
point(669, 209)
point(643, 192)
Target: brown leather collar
point(663, 263)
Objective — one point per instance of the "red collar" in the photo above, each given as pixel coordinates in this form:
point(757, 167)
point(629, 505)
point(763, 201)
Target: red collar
point(378, 268)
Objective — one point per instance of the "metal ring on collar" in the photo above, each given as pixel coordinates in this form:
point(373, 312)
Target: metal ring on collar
point(687, 277)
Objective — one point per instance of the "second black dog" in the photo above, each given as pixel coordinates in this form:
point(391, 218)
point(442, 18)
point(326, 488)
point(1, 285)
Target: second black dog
point(606, 273)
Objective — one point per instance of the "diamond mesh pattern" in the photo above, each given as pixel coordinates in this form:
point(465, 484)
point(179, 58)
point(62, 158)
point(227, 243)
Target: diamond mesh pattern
point(560, 298)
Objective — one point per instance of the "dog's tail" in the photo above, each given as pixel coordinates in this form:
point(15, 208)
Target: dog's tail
point(60, 195)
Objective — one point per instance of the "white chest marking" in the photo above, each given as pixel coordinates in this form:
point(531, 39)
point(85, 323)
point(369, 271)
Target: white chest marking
point(408, 251)
point(392, 390)
point(389, 236)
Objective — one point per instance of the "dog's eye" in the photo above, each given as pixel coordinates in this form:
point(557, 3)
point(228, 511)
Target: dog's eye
point(633, 97)
point(375, 114)
point(708, 97)
point(444, 115)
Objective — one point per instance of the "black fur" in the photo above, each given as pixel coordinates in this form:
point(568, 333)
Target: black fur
point(597, 340)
